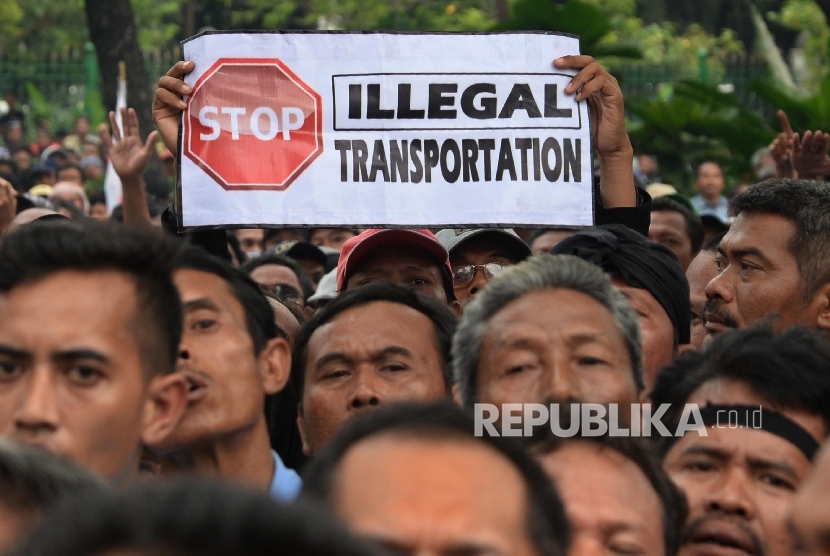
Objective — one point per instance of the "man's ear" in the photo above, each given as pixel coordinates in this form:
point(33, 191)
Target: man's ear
point(301, 428)
point(164, 407)
point(455, 306)
point(821, 306)
point(275, 365)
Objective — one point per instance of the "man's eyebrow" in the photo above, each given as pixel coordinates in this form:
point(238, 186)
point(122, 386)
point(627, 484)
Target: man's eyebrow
point(80, 353)
point(333, 357)
point(14, 353)
point(767, 465)
point(200, 303)
point(709, 451)
point(391, 350)
point(743, 252)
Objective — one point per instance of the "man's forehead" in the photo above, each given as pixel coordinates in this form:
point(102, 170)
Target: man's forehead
point(758, 231)
point(396, 256)
point(365, 324)
point(198, 284)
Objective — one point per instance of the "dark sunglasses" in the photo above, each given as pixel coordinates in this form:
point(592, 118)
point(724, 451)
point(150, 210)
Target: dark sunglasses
point(288, 293)
point(463, 275)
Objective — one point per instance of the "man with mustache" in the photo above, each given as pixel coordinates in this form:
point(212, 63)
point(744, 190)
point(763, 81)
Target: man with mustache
point(775, 259)
point(763, 401)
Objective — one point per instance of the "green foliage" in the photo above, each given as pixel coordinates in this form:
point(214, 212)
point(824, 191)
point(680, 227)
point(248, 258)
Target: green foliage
point(804, 111)
point(806, 16)
point(405, 15)
point(575, 17)
point(63, 115)
point(696, 123)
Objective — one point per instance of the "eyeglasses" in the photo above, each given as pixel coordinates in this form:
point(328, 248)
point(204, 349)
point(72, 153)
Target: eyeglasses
point(463, 275)
point(288, 293)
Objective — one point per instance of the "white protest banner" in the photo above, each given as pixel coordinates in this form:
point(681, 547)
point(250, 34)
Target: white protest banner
point(382, 129)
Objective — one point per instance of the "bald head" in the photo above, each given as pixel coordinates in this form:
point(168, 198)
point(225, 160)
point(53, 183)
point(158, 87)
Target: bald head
point(30, 215)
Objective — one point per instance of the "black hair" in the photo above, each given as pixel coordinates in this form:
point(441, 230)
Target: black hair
point(279, 260)
point(694, 227)
point(713, 243)
point(98, 198)
point(791, 371)
point(156, 185)
point(41, 249)
point(807, 205)
point(259, 316)
point(117, 214)
point(443, 322)
point(12, 164)
point(272, 233)
point(33, 479)
point(547, 525)
point(188, 517)
point(645, 456)
point(70, 165)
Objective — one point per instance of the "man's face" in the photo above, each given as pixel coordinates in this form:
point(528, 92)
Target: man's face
point(71, 376)
point(270, 276)
point(758, 277)
point(82, 126)
point(402, 265)
point(250, 240)
point(98, 211)
point(656, 329)
point(433, 497)
point(217, 357)
point(554, 346)
point(315, 270)
point(702, 270)
point(710, 180)
point(739, 483)
point(23, 160)
point(93, 171)
point(811, 510)
point(330, 237)
point(365, 357)
point(611, 505)
point(15, 523)
point(90, 149)
point(669, 228)
point(478, 251)
point(547, 241)
point(71, 174)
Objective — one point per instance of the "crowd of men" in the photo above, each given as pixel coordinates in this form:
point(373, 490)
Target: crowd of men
point(322, 391)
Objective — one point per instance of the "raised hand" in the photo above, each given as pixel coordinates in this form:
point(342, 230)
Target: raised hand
point(809, 155)
point(8, 205)
point(781, 149)
point(610, 139)
point(168, 103)
point(128, 153)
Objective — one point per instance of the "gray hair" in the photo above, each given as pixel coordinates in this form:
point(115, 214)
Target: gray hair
point(33, 479)
point(542, 272)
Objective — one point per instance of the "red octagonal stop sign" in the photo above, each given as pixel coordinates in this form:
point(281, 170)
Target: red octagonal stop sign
point(253, 124)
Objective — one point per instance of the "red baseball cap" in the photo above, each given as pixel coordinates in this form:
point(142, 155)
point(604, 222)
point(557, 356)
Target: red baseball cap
point(361, 245)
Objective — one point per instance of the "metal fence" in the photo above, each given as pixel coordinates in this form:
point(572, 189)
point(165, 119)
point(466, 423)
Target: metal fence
point(64, 79)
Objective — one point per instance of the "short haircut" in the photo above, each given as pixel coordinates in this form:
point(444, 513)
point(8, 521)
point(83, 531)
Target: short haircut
point(645, 456)
point(694, 227)
point(279, 260)
point(188, 517)
point(704, 163)
point(42, 248)
point(547, 526)
point(443, 323)
point(70, 166)
point(539, 273)
point(807, 205)
point(259, 316)
point(98, 198)
point(791, 371)
point(32, 479)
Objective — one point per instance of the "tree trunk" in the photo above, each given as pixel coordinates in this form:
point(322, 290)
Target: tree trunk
point(113, 31)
